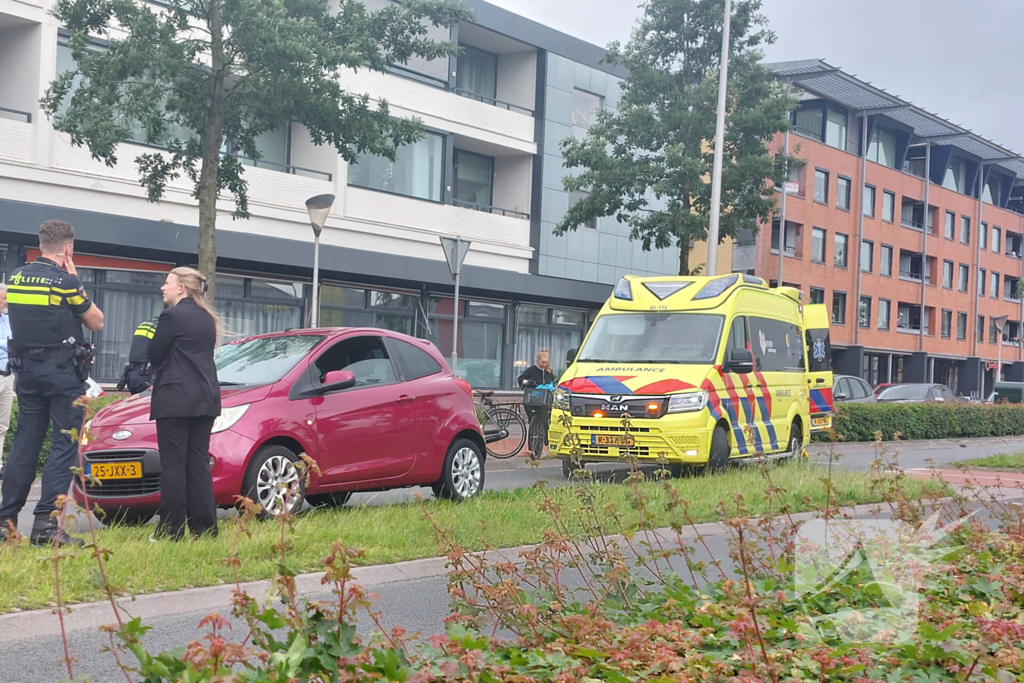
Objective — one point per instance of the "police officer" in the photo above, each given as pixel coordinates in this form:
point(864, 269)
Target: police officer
point(138, 375)
point(48, 307)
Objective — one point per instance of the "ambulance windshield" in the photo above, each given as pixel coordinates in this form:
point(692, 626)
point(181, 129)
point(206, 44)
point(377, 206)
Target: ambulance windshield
point(653, 338)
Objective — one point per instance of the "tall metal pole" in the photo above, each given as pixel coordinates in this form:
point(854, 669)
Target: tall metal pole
point(860, 213)
point(716, 171)
point(315, 317)
point(782, 209)
point(924, 239)
point(455, 320)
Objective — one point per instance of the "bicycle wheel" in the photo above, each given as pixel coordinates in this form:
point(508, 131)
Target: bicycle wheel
point(538, 433)
point(505, 433)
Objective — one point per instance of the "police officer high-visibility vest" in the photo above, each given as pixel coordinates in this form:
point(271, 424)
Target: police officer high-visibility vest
point(45, 303)
point(138, 353)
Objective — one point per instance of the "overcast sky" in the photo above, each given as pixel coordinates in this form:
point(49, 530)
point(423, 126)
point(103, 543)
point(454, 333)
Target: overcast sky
point(956, 58)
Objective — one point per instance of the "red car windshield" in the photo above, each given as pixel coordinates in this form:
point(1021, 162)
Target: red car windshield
point(262, 361)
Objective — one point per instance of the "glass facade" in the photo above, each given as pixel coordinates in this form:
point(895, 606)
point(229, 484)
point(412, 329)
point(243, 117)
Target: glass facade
point(882, 148)
point(418, 170)
point(356, 307)
point(554, 329)
point(481, 338)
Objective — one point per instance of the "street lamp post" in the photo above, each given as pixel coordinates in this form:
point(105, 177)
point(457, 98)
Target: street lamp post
point(1000, 323)
point(318, 208)
point(716, 171)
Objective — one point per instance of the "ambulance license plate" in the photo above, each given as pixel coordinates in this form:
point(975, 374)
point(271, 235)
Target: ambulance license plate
point(116, 470)
point(821, 421)
point(611, 440)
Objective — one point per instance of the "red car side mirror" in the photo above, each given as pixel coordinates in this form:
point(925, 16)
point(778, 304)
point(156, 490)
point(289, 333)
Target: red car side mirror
point(337, 380)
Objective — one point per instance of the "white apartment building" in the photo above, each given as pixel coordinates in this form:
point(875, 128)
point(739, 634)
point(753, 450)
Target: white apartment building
point(489, 170)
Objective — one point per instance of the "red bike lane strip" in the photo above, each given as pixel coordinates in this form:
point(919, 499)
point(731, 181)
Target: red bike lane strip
point(977, 477)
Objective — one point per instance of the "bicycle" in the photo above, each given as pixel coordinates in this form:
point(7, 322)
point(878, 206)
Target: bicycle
point(540, 399)
point(504, 428)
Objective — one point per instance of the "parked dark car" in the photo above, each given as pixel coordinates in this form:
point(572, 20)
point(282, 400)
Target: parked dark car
point(917, 393)
point(374, 409)
point(850, 389)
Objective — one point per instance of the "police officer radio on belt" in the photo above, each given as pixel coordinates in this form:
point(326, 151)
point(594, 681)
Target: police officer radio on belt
point(51, 362)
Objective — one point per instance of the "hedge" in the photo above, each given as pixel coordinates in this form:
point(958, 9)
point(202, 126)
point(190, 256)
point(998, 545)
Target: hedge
point(860, 421)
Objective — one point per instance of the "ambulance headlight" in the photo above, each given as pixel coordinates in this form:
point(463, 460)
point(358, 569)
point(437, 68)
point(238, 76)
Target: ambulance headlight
point(561, 399)
point(687, 403)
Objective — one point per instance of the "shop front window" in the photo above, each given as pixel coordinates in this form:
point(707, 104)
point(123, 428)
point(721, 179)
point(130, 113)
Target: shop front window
point(357, 307)
point(249, 307)
point(481, 338)
point(554, 329)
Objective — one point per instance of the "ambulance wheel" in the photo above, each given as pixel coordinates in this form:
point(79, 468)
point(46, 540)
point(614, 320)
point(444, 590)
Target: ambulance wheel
point(718, 458)
point(569, 467)
point(796, 442)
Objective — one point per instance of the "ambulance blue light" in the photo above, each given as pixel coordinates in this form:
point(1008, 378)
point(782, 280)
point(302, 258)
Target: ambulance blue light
point(716, 287)
point(623, 290)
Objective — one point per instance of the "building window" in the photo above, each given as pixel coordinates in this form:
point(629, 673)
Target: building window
point(481, 338)
point(839, 308)
point(474, 180)
point(816, 120)
point(950, 224)
point(477, 74)
point(818, 245)
point(248, 306)
point(885, 257)
point(791, 238)
point(994, 285)
point(882, 149)
point(888, 206)
point(554, 329)
point(356, 307)
point(981, 282)
point(947, 323)
point(577, 196)
point(864, 312)
point(983, 236)
point(961, 325)
point(992, 192)
point(947, 274)
point(840, 241)
point(965, 229)
point(836, 124)
point(817, 295)
point(418, 170)
point(964, 274)
point(980, 332)
point(884, 309)
point(867, 251)
point(820, 186)
point(954, 177)
point(585, 106)
point(843, 193)
point(809, 122)
point(997, 239)
point(869, 201)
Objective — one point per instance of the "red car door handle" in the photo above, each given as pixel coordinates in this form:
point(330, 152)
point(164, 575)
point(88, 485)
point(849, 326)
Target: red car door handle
point(405, 399)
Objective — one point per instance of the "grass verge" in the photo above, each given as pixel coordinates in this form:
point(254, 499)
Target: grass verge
point(1007, 461)
point(392, 533)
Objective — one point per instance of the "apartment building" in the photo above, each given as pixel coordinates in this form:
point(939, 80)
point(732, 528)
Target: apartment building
point(907, 226)
point(489, 170)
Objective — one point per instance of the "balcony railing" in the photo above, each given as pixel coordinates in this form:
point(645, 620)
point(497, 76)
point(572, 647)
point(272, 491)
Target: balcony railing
point(399, 70)
point(511, 213)
point(492, 101)
point(15, 115)
point(913, 277)
point(909, 328)
point(285, 168)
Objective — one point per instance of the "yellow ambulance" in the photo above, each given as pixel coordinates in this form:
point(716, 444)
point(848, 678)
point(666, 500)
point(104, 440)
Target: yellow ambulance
point(709, 369)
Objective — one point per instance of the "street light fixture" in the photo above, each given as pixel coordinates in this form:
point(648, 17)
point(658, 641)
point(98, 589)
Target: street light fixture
point(318, 208)
point(1000, 323)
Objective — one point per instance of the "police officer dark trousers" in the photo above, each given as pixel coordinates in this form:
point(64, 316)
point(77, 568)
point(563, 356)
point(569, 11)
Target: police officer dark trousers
point(48, 307)
point(138, 376)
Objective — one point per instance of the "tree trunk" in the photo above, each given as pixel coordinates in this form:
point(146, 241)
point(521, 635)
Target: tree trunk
point(684, 257)
point(213, 139)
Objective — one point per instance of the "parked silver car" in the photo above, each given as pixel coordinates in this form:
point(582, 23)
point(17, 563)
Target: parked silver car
point(850, 389)
point(917, 393)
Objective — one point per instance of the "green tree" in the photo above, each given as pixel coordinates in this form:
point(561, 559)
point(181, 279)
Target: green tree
point(648, 162)
point(197, 77)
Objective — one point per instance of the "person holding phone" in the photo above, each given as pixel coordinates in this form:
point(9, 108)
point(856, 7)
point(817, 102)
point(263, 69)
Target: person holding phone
point(48, 307)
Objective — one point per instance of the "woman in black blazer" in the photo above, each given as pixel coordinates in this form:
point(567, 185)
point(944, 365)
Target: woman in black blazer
point(185, 403)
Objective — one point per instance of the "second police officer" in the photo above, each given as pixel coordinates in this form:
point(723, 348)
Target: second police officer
point(51, 361)
point(138, 374)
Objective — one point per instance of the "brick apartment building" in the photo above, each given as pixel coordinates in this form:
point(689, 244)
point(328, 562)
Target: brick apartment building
point(908, 302)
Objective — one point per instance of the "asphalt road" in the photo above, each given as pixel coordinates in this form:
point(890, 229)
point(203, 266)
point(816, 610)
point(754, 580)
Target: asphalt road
point(419, 603)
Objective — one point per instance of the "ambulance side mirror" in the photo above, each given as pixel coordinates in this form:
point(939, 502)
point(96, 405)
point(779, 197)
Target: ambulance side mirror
point(740, 361)
point(570, 356)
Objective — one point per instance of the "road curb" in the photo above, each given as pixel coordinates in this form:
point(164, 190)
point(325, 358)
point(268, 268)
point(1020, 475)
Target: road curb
point(39, 623)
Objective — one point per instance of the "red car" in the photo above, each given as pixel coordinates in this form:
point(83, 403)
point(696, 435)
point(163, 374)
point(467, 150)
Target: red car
point(375, 409)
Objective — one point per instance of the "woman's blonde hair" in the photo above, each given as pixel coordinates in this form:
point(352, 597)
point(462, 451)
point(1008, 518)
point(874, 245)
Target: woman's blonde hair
point(195, 288)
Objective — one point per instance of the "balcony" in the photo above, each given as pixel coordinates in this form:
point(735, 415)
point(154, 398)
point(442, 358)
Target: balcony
point(19, 92)
point(791, 245)
point(909, 319)
point(913, 267)
point(912, 215)
point(489, 179)
point(1014, 246)
point(1011, 289)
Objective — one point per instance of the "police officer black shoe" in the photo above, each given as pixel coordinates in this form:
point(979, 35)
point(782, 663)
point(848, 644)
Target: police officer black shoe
point(46, 531)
